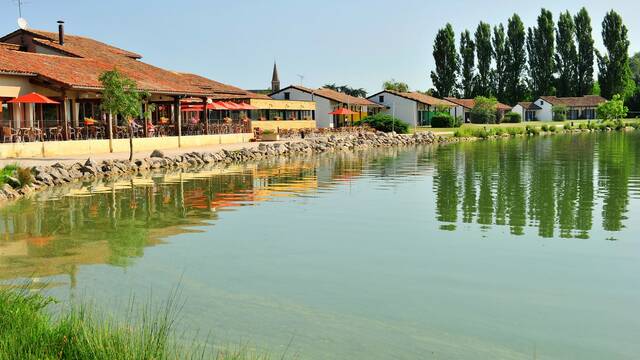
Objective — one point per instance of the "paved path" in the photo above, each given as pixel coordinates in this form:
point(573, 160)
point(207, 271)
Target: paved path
point(28, 162)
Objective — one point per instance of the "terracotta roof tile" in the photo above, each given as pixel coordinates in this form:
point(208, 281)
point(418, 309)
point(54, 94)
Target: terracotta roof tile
point(529, 105)
point(579, 101)
point(335, 96)
point(470, 103)
point(420, 97)
point(90, 58)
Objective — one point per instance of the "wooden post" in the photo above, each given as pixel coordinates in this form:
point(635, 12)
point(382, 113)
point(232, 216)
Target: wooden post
point(110, 132)
point(65, 111)
point(178, 119)
point(205, 114)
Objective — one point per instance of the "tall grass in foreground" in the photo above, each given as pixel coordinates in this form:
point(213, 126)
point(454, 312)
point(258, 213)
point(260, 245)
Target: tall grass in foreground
point(27, 331)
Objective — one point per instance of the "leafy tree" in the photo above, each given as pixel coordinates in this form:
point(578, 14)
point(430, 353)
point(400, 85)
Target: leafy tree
point(120, 96)
point(613, 109)
point(634, 65)
point(484, 52)
point(515, 61)
point(585, 59)
point(394, 85)
point(447, 61)
point(467, 53)
point(484, 111)
point(347, 90)
point(614, 71)
point(499, 74)
point(566, 56)
point(540, 46)
point(559, 112)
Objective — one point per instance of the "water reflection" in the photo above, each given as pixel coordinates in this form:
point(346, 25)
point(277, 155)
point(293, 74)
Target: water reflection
point(553, 186)
point(556, 184)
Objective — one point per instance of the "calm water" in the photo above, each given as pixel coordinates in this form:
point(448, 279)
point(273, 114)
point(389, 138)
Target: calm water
point(516, 249)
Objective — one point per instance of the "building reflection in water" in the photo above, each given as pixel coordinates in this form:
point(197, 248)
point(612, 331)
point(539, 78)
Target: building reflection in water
point(552, 186)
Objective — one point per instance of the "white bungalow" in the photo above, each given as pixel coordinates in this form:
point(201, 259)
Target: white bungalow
point(414, 108)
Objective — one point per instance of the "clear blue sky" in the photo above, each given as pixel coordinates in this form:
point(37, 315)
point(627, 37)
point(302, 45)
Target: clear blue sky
point(355, 42)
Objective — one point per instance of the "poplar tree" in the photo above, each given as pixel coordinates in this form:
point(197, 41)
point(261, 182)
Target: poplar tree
point(467, 54)
point(498, 75)
point(540, 46)
point(447, 61)
point(614, 72)
point(585, 59)
point(484, 54)
point(515, 61)
point(566, 56)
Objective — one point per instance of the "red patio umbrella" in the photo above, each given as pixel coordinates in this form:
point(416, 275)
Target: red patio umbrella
point(34, 98)
point(342, 111)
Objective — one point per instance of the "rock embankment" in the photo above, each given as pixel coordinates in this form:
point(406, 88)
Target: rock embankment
point(58, 174)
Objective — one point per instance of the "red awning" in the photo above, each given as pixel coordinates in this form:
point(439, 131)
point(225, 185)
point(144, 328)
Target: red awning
point(33, 98)
point(342, 111)
point(232, 106)
point(216, 105)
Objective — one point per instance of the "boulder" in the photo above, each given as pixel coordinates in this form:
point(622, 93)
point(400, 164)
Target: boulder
point(13, 182)
point(156, 154)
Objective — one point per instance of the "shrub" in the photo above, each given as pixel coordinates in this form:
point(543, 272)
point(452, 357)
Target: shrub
point(559, 112)
point(24, 175)
point(444, 120)
point(385, 123)
point(582, 126)
point(568, 126)
point(613, 109)
point(513, 131)
point(512, 117)
point(552, 128)
point(532, 130)
point(545, 127)
point(484, 111)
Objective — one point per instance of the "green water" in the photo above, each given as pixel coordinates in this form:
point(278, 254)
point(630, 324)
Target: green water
point(511, 249)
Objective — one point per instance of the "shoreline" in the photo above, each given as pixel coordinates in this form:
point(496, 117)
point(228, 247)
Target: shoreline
point(48, 173)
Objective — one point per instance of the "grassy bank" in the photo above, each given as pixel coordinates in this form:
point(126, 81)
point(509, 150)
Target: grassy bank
point(28, 331)
point(531, 124)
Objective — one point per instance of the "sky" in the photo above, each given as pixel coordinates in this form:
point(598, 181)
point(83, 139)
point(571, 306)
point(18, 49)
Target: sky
point(354, 42)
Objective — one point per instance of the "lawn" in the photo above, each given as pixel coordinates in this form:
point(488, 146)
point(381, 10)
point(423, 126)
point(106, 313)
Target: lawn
point(448, 131)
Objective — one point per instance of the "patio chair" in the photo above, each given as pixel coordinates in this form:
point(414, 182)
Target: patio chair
point(9, 134)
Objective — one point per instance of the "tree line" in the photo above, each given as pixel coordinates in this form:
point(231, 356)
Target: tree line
point(514, 64)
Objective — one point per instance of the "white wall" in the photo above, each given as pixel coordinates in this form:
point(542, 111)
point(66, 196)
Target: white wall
point(402, 108)
point(520, 110)
point(458, 111)
point(545, 113)
point(323, 106)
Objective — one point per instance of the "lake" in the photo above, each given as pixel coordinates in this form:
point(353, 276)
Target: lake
point(508, 249)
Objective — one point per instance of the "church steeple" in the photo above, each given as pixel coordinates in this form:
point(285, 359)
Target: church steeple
point(275, 80)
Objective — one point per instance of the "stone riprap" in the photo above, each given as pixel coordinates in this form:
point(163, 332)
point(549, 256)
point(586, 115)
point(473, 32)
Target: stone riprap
point(58, 174)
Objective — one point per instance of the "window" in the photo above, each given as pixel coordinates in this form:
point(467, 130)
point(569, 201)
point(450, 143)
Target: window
point(6, 114)
point(541, 102)
point(287, 96)
point(381, 98)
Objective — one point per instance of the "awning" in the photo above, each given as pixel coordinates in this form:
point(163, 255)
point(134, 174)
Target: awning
point(33, 98)
point(342, 111)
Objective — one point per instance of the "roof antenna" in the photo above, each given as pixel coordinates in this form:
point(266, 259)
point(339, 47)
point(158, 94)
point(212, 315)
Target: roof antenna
point(301, 79)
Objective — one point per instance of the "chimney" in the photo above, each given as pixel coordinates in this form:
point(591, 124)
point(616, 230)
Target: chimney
point(61, 32)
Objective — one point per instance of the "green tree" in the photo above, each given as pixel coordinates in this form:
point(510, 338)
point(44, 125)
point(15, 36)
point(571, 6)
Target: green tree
point(498, 75)
point(484, 111)
point(467, 54)
point(485, 53)
point(394, 85)
point(614, 71)
point(634, 65)
point(120, 96)
point(515, 61)
point(540, 46)
point(584, 68)
point(345, 89)
point(566, 56)
point(447, 61)
point(613, 109)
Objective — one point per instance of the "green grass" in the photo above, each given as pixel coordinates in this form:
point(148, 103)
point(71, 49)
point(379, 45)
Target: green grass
point(28, 331)
point(7, 171)
point(539, 124)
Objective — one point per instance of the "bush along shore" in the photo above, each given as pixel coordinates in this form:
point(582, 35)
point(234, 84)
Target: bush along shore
point(548, 129)
point(23, 181)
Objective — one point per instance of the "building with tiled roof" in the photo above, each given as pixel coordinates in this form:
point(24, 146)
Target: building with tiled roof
point(414, 108)
point(66, 69)
point(327, 101)
point(577, 107)
point(463, 108)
